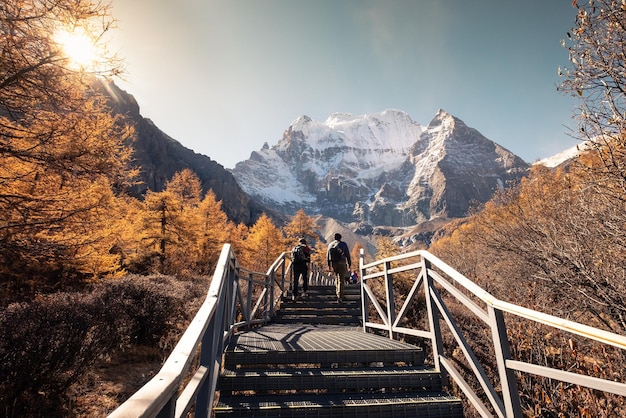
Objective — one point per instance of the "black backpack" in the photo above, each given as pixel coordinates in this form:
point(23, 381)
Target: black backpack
point(336, 253)
point(298, 255)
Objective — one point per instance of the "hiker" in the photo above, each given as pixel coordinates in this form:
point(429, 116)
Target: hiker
point(338, 257)
point(300, 258)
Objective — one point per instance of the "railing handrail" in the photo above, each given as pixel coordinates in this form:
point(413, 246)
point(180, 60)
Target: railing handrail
point(208, 334)
point(582, 330)
point(509, 404)
point(216, 320)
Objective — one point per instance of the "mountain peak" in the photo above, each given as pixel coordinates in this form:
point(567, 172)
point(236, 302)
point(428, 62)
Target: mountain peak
point(441, 113)
point(442, 118)
point(379, 168)
point(301, 123)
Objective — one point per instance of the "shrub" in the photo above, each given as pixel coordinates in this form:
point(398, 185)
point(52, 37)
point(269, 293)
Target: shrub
point(139, 307)
point(47, 344)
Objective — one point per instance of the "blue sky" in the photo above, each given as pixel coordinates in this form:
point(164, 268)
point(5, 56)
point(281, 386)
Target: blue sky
point(223, 77)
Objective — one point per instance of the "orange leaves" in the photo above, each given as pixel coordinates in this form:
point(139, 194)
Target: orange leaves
point(263, 244)
point(180, 233)
point(300, 226)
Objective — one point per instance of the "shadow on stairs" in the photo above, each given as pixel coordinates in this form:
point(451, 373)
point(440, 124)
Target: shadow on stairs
point(315, 360)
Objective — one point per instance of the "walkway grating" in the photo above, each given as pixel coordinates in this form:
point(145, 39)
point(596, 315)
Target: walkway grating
point(300, 368)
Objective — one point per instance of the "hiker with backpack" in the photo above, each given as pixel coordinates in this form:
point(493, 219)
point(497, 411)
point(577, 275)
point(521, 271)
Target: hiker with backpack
point(300, 259)
point(338, 257)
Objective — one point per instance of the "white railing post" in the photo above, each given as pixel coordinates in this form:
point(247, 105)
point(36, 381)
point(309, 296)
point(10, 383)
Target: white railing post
point(433, 321)
point(249, 298)
point(391, 307)
point(364, 307)
point(207, 359)
point(269, 305)
point(212, 341)
point(230, 302)
point(508, 381)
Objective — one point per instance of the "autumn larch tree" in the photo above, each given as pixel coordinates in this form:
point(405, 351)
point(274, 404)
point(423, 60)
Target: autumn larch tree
point(300, 226)
point(172, 223)
point(60, 149)
point(215, 231)
point(265, 242)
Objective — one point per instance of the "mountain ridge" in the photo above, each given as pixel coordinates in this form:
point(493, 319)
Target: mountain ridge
point(378, 169)
point(159, 156)
point(374, 174)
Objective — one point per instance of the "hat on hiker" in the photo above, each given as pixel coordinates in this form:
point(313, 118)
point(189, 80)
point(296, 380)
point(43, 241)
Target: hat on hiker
point(337, 237)
point(302, 241)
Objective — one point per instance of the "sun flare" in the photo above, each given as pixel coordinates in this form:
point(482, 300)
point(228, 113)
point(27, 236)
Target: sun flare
point(78, 47)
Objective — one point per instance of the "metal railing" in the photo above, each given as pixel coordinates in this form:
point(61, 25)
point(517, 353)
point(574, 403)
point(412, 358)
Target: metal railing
point(435, 277)
point(237, 299)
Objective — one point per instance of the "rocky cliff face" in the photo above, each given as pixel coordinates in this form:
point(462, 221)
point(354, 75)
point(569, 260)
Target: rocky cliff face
point(159, 157)
point(454, 166)
point(379, 169)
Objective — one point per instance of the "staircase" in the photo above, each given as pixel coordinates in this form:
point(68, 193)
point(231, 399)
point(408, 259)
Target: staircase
point(321, 307)
point(315, 360)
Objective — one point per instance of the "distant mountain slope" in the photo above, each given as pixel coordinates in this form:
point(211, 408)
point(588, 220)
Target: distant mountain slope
point(567, 156)
point(159, 157)
point(378, 169)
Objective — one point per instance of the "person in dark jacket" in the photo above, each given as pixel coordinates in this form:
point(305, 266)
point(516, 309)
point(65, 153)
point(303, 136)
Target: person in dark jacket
point(338, 257)
point(300, 257)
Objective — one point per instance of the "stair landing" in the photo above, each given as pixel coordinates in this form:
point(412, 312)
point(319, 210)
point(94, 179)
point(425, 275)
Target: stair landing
point(278, 343)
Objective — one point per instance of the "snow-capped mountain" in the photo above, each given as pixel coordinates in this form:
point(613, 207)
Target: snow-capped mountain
point(566, 156)
point(378, 169)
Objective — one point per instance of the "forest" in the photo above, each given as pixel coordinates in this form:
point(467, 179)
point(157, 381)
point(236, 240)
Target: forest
point(91, 277)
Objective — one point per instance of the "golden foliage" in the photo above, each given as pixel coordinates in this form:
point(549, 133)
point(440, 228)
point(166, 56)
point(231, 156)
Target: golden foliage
point(300, 226)
point(263, 245)
point(180, 233)
point(61, 151)
point(385, 247)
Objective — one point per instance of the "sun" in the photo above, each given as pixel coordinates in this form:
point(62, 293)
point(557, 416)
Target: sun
point(78, 47)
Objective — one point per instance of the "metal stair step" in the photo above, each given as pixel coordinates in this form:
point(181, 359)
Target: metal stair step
point(362, 405)
point(315, 370)
point(321, 307)
point(320, 320)
point(316, 344)
point(331, 305)
point(319, 310)
point(312, 313)
point(331, 380)
point(325, 357)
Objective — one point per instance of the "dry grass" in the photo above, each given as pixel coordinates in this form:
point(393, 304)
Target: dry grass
point(149, 314)
point(112, 381)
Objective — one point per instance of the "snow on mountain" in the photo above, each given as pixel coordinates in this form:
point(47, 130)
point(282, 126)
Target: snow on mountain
point(567, 155)
point(274, 178)
point(378, 169)
point(364, 145)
